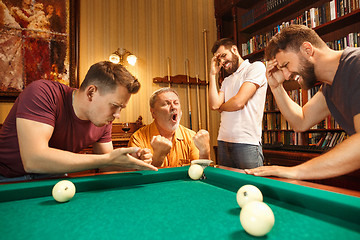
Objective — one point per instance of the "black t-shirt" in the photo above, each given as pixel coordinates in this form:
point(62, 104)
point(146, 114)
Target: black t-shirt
point(343, 96)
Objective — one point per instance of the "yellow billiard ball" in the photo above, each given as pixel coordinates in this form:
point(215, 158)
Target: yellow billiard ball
point(63, 191)
point(257, 218)
point(195, 171)
point(248, 193)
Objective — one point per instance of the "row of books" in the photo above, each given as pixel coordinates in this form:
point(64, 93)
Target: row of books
point(275, 121)
point(260, 10)
point(258, 42)
point(286, 138)
point(329, 11)
point(311, 18)
point(330, 139)
point(328, 123)
point(351, 40)
point(270, 103)
point(312, 91)
point(314, 138)
point(295, 95)
point(272, 119)
point(320, 140)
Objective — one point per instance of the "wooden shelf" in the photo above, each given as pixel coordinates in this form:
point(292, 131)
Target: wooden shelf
point(338, 23)
point(179, 79)
point(277, 15)
point(255, 55)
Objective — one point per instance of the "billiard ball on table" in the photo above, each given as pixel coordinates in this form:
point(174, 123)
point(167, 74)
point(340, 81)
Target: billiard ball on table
point(257, 218)
point(247, 194)
point(195, 171)
point(63, 191)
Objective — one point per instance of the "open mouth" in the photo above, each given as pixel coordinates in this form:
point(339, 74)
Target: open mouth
point(174, 117)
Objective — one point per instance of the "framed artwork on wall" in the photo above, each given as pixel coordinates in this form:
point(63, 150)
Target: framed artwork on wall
point(38, 40)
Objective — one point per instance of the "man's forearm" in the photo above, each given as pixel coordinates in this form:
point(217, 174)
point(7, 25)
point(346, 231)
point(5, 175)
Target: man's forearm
point(232, 105)
point(204, 153)
point(214, 101)
point(343, 159)
point(158, 159)
point(59, 161)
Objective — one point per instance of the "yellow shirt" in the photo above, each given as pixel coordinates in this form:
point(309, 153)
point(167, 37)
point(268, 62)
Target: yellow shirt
point(183, 148)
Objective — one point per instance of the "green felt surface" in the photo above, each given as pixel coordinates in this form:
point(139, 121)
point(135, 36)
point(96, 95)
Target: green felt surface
point(169, 205)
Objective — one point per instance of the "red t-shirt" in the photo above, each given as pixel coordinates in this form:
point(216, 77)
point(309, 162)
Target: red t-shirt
point(50, 103)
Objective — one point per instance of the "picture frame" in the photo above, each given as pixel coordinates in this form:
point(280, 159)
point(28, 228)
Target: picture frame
point(39, 39)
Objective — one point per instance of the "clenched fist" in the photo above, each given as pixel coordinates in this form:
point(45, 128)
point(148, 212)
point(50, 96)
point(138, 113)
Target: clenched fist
point(202, 142)
point(161, 147)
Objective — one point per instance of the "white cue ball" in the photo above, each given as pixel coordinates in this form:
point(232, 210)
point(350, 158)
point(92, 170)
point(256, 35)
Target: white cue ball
point(195, 171)
point(257, 218)
point(248, 193)
point(63, 191)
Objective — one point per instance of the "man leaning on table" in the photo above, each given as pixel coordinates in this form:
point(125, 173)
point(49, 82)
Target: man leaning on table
point(50, 123)
point(298, 53)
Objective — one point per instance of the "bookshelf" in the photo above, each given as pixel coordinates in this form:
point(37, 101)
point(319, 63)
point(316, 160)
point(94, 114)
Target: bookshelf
point(252, 24)
point(277, 131)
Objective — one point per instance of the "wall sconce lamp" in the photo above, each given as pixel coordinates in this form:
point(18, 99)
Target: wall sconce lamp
point(119, 55)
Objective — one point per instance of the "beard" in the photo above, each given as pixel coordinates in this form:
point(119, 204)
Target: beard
point(234, 64)
point(307, 73)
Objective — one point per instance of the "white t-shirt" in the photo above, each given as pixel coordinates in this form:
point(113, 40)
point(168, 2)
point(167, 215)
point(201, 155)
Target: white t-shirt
point(245, 125)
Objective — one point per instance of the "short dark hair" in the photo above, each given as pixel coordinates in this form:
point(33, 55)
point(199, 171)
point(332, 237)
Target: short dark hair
point(226, 42)
point(153, 97)
point(107, 76)
point(291, 38)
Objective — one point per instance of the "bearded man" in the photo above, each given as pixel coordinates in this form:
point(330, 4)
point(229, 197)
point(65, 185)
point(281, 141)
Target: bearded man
point(297, 52)
point(240, 101)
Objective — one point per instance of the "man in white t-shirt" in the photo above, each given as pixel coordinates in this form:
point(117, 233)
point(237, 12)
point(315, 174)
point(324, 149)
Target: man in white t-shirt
point(240, 101)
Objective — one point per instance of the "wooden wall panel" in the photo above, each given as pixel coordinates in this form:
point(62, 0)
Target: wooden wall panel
point(154, 30)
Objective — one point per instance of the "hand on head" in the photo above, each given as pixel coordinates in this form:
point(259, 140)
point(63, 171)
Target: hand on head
point(215, 65)
point(274, 75)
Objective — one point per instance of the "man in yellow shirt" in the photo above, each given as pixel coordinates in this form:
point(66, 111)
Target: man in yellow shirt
point(171, 144)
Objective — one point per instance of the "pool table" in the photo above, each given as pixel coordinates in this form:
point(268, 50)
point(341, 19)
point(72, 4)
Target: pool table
point(169, 205)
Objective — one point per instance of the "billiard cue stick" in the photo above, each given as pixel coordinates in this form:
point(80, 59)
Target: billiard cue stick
point(198, 101)
point(168, 71)
point(206, 80)
point(188, 90)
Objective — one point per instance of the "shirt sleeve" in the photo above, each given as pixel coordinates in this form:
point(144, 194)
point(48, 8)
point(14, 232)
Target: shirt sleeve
point(256, 74)
point(37, 103)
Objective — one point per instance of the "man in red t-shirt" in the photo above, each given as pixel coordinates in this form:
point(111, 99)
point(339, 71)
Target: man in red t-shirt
point(50, 123)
